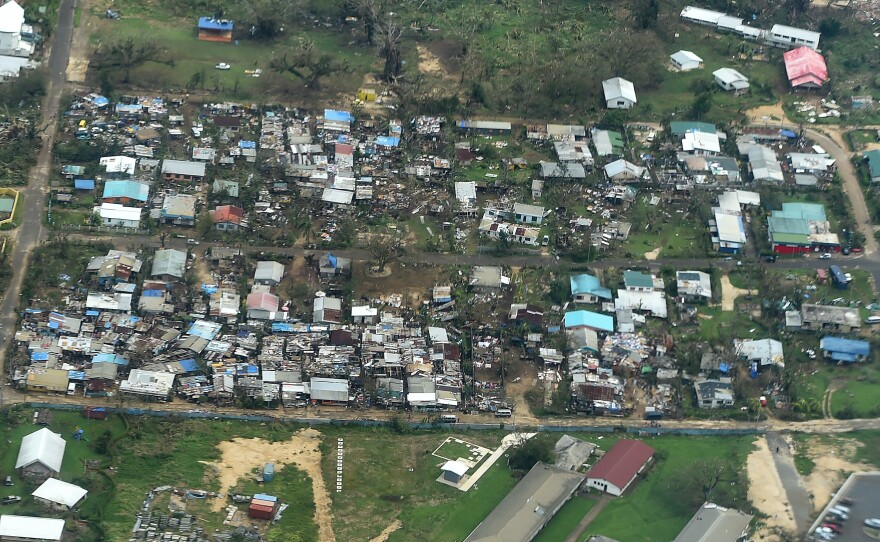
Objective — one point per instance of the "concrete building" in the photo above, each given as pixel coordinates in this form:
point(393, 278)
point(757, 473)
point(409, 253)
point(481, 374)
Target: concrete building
point(712, 393)
point(620, 465)
point(529, 506)
point(713, 523)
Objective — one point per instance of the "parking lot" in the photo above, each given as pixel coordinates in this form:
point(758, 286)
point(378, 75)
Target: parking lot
point(862, 489)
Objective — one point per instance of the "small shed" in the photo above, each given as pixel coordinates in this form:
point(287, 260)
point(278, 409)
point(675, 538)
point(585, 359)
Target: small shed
point(453, 471)
point(211, 29)
point(263, 506)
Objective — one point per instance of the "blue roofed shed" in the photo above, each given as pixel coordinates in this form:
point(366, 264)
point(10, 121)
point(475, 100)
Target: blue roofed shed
point(590, 320)
point(211, 29)
point(125, 191)
point(586, 288)
point(845, 350)
point(84, 184)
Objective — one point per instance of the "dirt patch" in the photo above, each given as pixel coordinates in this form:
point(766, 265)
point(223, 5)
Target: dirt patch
point(729, 293)
point(653, 254)
point(767, 494)
point(383, 536)
point(301, 450)
point(765, 113)
point(78, 63)
point(429, 63)
point(831, 467)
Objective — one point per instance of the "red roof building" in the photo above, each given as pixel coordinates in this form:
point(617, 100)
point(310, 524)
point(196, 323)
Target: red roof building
point(806, 68)
point(619, 466)
point(227, 217)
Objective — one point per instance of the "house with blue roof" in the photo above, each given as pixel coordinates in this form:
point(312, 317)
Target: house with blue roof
point(589, 320)
point(125, 192)
point(872, 157)
point(843, 350)
point(586, 288)
point(636, 281)
point(211, 29)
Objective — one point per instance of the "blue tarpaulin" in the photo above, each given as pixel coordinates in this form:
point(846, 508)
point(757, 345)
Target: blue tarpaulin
point(84, 184)
point(243, 144)
point(723, 367)
point(40, 356)
point(76, 375)
point(100, 101)
point(787, 133)
point(338, 116)
point(189, 365)
point(332, 259)
point(153, 293)
point(92, 313)
point(387, 141)
point(282, 327)
point(54, 325)
point(210, 23)
point(209, 288)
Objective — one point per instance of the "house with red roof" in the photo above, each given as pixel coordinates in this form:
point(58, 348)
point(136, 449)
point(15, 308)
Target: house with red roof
point(620, 465)
point(805, 68)
point(227, 217)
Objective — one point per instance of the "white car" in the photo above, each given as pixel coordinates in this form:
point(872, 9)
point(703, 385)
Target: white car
point(222, 66)
point(825, 256)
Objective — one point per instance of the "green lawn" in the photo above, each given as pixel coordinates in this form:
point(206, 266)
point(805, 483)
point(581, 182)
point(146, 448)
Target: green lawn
point(657, 509)
point(392, 476)
point(565, 521)
point(195, 60)
point(718, 326)
point(857, 397)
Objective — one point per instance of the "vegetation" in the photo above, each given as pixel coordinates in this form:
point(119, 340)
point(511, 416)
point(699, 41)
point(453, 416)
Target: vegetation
point(526, 453)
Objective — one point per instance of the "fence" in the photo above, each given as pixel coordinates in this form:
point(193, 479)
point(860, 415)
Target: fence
point(638, 430)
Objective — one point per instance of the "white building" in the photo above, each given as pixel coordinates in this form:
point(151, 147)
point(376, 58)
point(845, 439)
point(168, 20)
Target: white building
point(30, 529)
point(528, 214)
point(619, 93)
point(59, 495)
point(621, 171)
point(686, 61)
point(790, 37)
point(41, 454)
point(154, 384)
point(730, 79)
point(12, 27)
point(117, 215)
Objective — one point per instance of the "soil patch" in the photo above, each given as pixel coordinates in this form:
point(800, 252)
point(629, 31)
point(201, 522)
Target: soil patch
point(301, 450)
point(830, 468)
point(429, 64)
point(653, 254)
point(729, 293)
point(383, 536)
point(78, 63)
point(773, 112)
point(766, 492)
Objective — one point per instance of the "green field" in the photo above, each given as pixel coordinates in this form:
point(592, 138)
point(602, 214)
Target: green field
point(564, 522)
point(856, 391)
point(658, 508)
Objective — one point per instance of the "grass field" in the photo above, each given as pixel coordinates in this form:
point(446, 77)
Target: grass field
point(565, 520)
point(856, 395)
point(656, 509)
point(390, 476)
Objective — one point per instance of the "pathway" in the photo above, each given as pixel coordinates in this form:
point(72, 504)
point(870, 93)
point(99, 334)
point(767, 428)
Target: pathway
point(798, 497)
point(575, 535)
point(506, 442)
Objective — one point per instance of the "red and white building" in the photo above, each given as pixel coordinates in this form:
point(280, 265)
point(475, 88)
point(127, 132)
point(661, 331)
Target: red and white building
point(619, 467)
point(805, 68)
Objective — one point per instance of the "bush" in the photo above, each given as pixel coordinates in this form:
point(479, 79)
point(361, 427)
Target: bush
point(524, 455)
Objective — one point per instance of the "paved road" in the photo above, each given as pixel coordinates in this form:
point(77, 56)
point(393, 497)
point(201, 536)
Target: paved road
point(34, 196)
point(798, 497)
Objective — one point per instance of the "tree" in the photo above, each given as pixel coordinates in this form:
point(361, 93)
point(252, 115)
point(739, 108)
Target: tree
point(128, 53)
point(645, 13)
point(390, 34)
point(265, 19)
point(527, 452)
point(307, 63)
point(701, 106)
point(384, 249)
point(708, 481)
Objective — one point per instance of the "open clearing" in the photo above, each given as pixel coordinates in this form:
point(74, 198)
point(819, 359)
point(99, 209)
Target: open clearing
point(729, 293)
point(301, 450)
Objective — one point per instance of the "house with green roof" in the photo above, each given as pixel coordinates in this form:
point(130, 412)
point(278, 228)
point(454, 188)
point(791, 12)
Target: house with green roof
point(801, 227)
point(873, 159)
point(636, 281)
point(681, 127)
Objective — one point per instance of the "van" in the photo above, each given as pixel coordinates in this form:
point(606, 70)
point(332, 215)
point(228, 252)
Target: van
point(872, 320)
point(7, 481)
point(448, 418)
point(503, 413)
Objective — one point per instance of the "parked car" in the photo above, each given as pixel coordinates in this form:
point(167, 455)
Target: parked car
point(825, 256)
point(222, 66)
point(845, 251)
point(857, 250)
point(833, 526)
point(770, 259)
point(873, 523)
point(12, 499)
point(192, 242)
